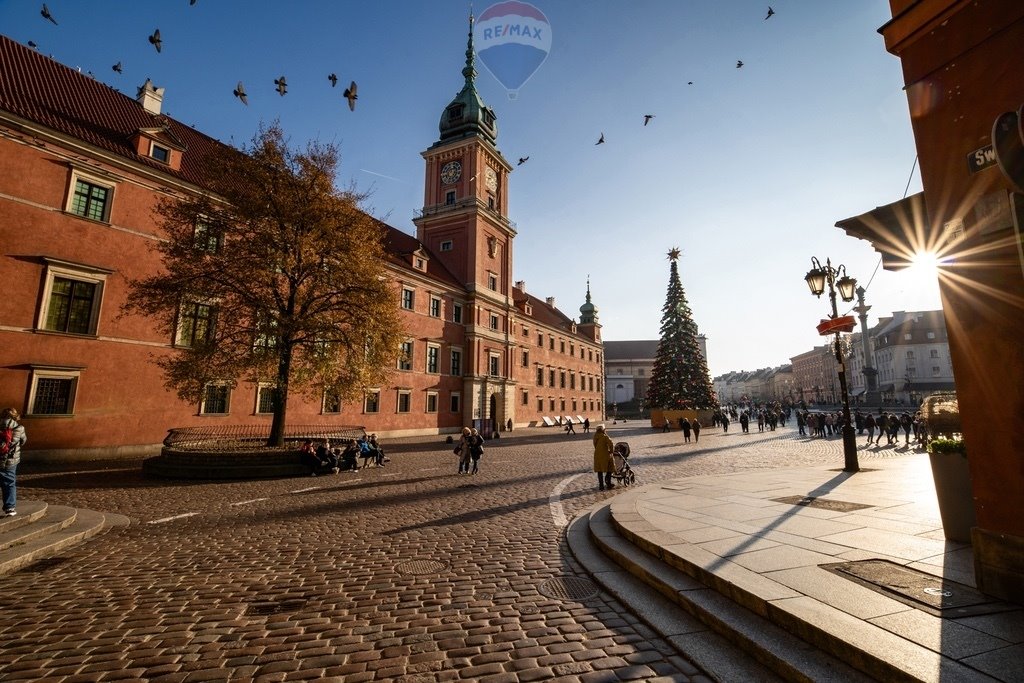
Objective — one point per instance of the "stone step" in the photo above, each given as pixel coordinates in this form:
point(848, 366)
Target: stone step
point(40, 531)
point(746, 607)
point(716, 656)
point(754, 648)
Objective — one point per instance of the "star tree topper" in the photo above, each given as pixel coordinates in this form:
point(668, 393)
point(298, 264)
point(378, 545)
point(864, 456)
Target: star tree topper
point(673, 254)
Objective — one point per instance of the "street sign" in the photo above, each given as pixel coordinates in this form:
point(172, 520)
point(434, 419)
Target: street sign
point(981, 158)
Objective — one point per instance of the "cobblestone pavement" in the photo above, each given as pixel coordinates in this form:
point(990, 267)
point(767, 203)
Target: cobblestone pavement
point(403, 573)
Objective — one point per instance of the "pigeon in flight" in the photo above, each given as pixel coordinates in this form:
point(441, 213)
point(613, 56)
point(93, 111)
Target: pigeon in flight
point(117, 68)
point(739, 64)
point(46, 14)
point(351, 95)
point(600, 141)
point(689, 83)
point(770, 13)
point(240, 93)
point(522, 160)
point(156, 40)
point(282, 86)
point(333, 78)
point(32, 45)
point(191, 2)
point(647, 118)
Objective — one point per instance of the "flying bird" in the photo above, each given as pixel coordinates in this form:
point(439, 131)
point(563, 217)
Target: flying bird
point(689, 83)
point(117, 68)
point(32, 45)
point(46, 14)
point(351, 95)
point(739, 64)
point(647, 118)
point(770, 13)
point(240, 93)
point(282, 86)
point(522, 160)
point(600, 141)
point(156, 40)
point(333, 78)
point(191, 2)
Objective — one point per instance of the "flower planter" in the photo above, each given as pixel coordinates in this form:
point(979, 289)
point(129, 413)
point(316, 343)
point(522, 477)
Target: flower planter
point(953, 490)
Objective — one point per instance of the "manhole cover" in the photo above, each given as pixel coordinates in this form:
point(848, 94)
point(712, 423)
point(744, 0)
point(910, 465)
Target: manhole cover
point(822, 503)
point(417, 567)
point(933, 594)
point(569, 588)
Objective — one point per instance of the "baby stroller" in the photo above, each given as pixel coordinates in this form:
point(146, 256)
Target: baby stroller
point(622, 473)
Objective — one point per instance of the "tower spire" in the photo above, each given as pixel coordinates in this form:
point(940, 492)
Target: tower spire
point(469, 71)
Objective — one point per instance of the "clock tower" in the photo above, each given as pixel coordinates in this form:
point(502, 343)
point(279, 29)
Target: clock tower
point(464, 224)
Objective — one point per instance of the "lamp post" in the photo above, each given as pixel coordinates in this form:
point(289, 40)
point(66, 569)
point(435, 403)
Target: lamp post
point(836, 278)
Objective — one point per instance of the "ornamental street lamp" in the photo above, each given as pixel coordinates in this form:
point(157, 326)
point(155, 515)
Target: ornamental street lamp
point(836, 278)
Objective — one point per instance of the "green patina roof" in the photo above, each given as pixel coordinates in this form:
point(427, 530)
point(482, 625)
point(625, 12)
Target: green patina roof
point(467, 115)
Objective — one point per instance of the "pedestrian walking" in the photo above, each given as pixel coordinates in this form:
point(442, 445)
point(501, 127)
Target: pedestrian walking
point(462, 450)
point(586, 425)
point(725, 423)
point(603, 463)
point(696, 430)
point(667, 426)
point(685, 426)
point(12, 438)
point(476, 449)
point(569, 429)
point(869, 424)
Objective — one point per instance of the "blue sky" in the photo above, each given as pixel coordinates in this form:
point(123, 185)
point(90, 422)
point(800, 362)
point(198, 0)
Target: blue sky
point(746, 170)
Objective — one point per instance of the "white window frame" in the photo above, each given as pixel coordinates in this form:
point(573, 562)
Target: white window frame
point(153, 146)
point(437, 359)
point(92, 179)
point(494, 364)
point(72, 271)
point(492, 281)
point(403, 394)
point(405, 364)
point(323, 405)
point(366, 401)
point(455, 402)
point(494, 323)
point(435, 305)
point(227, 400)
point(259, 392)
point(455, 351)
point(178, 342)
point(412, 299)
point(72, 374)
point(430, 404)
point(457, 313)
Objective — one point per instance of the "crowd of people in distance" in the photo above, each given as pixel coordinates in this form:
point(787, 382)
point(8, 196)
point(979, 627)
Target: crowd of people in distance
point(328, 459)
point(887, 425)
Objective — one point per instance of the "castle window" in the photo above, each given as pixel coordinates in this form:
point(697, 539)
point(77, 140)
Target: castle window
point(53, 392)
point(265, 400)
point(446, 245)
point(435, 307)
point(216, 399)
point(404, 400)
point(456, 365)
point(405, 358)
point(331, 403)
point(71, 298)
point(371, 401)
point(455, 402)
point(456, 313)
point(431, 402)
point(160, 153)
point(195, 324)
point(90, 199)
point(449, 198)
point(408, 299)
point(455, 112)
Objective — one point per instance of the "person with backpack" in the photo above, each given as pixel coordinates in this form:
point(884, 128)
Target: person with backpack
point(12, 438)
point(476, 449)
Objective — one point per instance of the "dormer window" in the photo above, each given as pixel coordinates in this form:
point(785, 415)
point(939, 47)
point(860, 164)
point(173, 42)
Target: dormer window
point(455, 112)
point(446, 245)
point(160, 153)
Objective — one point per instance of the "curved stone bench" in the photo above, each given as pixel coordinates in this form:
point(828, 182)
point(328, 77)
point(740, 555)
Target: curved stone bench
point(256, 464)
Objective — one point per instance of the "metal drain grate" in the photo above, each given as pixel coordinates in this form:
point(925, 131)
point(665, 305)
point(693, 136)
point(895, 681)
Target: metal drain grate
point(933, 594)
point(417, 567)
point(570, 588)
point(262, 609)
point(822, 503)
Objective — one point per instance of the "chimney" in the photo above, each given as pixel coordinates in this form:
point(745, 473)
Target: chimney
point(150, 97)
point(551, 301)
point(521, 286)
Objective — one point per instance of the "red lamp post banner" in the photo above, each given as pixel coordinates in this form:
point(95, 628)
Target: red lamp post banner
point(844, 323)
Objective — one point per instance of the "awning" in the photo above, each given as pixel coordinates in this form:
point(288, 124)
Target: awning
point(856, 392)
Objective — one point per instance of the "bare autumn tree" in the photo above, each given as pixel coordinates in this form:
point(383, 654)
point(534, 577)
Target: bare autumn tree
point(274, 276)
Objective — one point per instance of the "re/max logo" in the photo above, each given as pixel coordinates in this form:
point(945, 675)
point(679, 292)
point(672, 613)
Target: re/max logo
point(512, 30)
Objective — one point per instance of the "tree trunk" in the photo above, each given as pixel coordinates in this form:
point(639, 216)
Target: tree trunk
point(280, 394)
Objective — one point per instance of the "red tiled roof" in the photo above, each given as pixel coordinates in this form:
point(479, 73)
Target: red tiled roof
point(41, 90)
point(399, 245)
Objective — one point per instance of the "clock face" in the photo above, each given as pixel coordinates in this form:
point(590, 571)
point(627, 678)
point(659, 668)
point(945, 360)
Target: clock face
point(492, 180)
point(451, 172)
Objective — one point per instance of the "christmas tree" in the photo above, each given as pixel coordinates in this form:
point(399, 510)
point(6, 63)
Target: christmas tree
point(680, 379)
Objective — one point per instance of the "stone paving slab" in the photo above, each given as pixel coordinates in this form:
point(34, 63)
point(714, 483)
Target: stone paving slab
point(749, 560)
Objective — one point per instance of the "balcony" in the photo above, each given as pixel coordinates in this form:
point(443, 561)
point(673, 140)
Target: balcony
point(466, 203)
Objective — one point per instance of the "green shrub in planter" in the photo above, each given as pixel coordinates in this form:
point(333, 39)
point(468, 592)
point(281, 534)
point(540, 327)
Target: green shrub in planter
point(948, 446)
